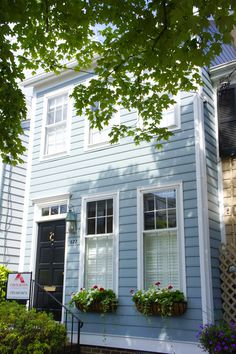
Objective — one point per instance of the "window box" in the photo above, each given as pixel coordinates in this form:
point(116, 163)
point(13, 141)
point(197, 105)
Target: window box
point(97, 300)
point(158, 301)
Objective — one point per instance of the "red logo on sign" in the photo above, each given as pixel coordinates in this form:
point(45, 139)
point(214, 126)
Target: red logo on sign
point(19, 276)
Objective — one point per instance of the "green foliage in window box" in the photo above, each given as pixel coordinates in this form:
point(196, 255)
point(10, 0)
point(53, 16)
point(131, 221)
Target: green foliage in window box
point(4, 271)
point(95, 299)
point(159, 301)
point(24, 332)
point(218, 338)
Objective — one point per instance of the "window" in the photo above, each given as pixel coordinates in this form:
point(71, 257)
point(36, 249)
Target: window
point(161, 239)
point(99, 237)
point(54, 210)
point(170, 117)
point(98, 137)
point(56, 125)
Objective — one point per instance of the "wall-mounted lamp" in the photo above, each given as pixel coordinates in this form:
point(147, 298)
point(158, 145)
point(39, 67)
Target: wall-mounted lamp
point(71, 221)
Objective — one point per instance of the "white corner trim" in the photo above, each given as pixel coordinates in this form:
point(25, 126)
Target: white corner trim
point(203, 219)
point(27, 186)
point(140, 343)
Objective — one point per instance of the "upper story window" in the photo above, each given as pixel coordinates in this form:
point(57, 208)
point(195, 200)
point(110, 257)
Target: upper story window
point(99, 138)
point(171, 117)
point(56, 130)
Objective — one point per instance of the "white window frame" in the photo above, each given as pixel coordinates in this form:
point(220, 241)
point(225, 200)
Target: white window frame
point(180, 230)
point(177, 114)
point(102, 144)
point(54, 94)
point(93, 198)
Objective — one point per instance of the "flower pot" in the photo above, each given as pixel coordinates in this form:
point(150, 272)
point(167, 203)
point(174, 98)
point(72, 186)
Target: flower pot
point(96, 307)
point(155, 309)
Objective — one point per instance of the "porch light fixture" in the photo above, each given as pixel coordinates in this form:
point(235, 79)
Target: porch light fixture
point(71, 221)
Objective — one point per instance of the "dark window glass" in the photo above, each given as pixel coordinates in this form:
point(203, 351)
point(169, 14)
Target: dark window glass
point(63, 209)
point(54, 210)
point(148, 202)
point(172, 218)
point(101, 225)
point(109, 224)
point(110, 207)
point(171, 201)
point(101, 208)
point(91, 209)
point(91, 226)
point(161, 219)
point(149, 223)
point(45, 211)
point(160, 199)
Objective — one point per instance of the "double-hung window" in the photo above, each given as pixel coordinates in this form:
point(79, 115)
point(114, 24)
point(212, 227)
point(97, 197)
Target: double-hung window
point(99, 138)
point(56, 124)
point(161, 237)
point(100, 240)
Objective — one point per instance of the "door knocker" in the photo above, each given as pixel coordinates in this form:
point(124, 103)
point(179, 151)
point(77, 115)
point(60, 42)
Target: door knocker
point(51, 237)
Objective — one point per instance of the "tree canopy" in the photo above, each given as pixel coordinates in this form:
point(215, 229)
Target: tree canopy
point(145, 51)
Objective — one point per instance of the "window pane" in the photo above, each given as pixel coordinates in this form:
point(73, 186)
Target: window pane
point(110, 207)
point(148, 202)
point(149, 222)
point(172, 218)
point(110, 224)
point(45, 211)
point(101, 208)
point(50, 118)
point(171, 199)
point(90, 226)
point(101, 225)
point(161, 261)
point(160, 199)
point(63, 209)
point(58, 114)
point(91, 209)
point(54, 210)
point(161, 221)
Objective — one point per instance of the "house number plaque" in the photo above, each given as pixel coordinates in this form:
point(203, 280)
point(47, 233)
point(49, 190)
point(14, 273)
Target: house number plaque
point(73, 242)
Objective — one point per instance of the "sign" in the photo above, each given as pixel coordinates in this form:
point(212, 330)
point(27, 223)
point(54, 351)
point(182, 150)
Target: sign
point(18, 286)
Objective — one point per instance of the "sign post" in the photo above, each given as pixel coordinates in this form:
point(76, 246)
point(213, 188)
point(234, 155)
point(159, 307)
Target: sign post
point(19, 286)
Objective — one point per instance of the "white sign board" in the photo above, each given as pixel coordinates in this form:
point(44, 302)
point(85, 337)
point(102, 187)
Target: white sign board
point(18, 286)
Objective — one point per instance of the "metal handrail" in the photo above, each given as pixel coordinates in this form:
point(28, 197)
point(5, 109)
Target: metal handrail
point(74, 316)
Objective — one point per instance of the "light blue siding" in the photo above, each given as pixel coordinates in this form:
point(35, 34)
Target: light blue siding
point(11, 208)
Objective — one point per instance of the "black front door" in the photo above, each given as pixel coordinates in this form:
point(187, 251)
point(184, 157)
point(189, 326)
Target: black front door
point(50, 266)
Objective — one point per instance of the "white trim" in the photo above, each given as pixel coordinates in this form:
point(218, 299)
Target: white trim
point(140, 343)
point(220, 173)
point(180, 229)
point(95, 197)
point(27, 186)
point(47, 199)
point(66, 90)
point(202, 206)
point(219, 71)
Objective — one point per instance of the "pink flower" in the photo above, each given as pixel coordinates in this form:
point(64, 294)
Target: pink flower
point(157, 283)
point(95, 287)
point(170, 287)
point(101, 289)
point(131, 291)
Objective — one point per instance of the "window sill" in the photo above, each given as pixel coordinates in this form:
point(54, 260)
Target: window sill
point(54, 156)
